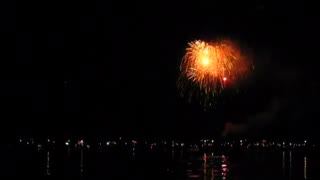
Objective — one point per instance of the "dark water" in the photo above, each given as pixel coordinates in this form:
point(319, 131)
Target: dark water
point(157, 163)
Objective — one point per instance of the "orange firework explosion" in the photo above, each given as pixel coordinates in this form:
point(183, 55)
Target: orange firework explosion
point(211, 66)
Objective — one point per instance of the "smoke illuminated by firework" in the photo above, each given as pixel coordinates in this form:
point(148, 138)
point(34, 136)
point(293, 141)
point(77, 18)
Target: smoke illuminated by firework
point(211, 67)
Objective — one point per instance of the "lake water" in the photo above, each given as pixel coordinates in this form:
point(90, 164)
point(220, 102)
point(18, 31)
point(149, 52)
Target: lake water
point(121, 163)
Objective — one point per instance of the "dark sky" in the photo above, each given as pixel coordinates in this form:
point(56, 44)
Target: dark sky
point(105, 68)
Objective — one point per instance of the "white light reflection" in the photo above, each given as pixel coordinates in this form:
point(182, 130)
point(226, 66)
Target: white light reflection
point(305, 168)
point(81, 162)
point(205, 166)
point(290, 164)
point(283, 163)
point(48, 164)
point(212, 174)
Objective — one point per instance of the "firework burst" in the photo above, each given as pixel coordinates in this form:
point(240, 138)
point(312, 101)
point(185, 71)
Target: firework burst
point(208, 68)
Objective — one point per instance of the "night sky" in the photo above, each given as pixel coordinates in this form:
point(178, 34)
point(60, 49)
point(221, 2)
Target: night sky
point(110, 69)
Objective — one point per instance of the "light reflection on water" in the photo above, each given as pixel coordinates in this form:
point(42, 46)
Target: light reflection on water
point(178, 164)
point(290, 165)
point(81, 162)
point(207, 167)
point(305, 167)
point(283, 163)
point(48, 164)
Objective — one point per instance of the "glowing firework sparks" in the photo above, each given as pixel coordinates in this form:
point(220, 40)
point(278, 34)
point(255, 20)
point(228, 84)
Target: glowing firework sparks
point(210, 67)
